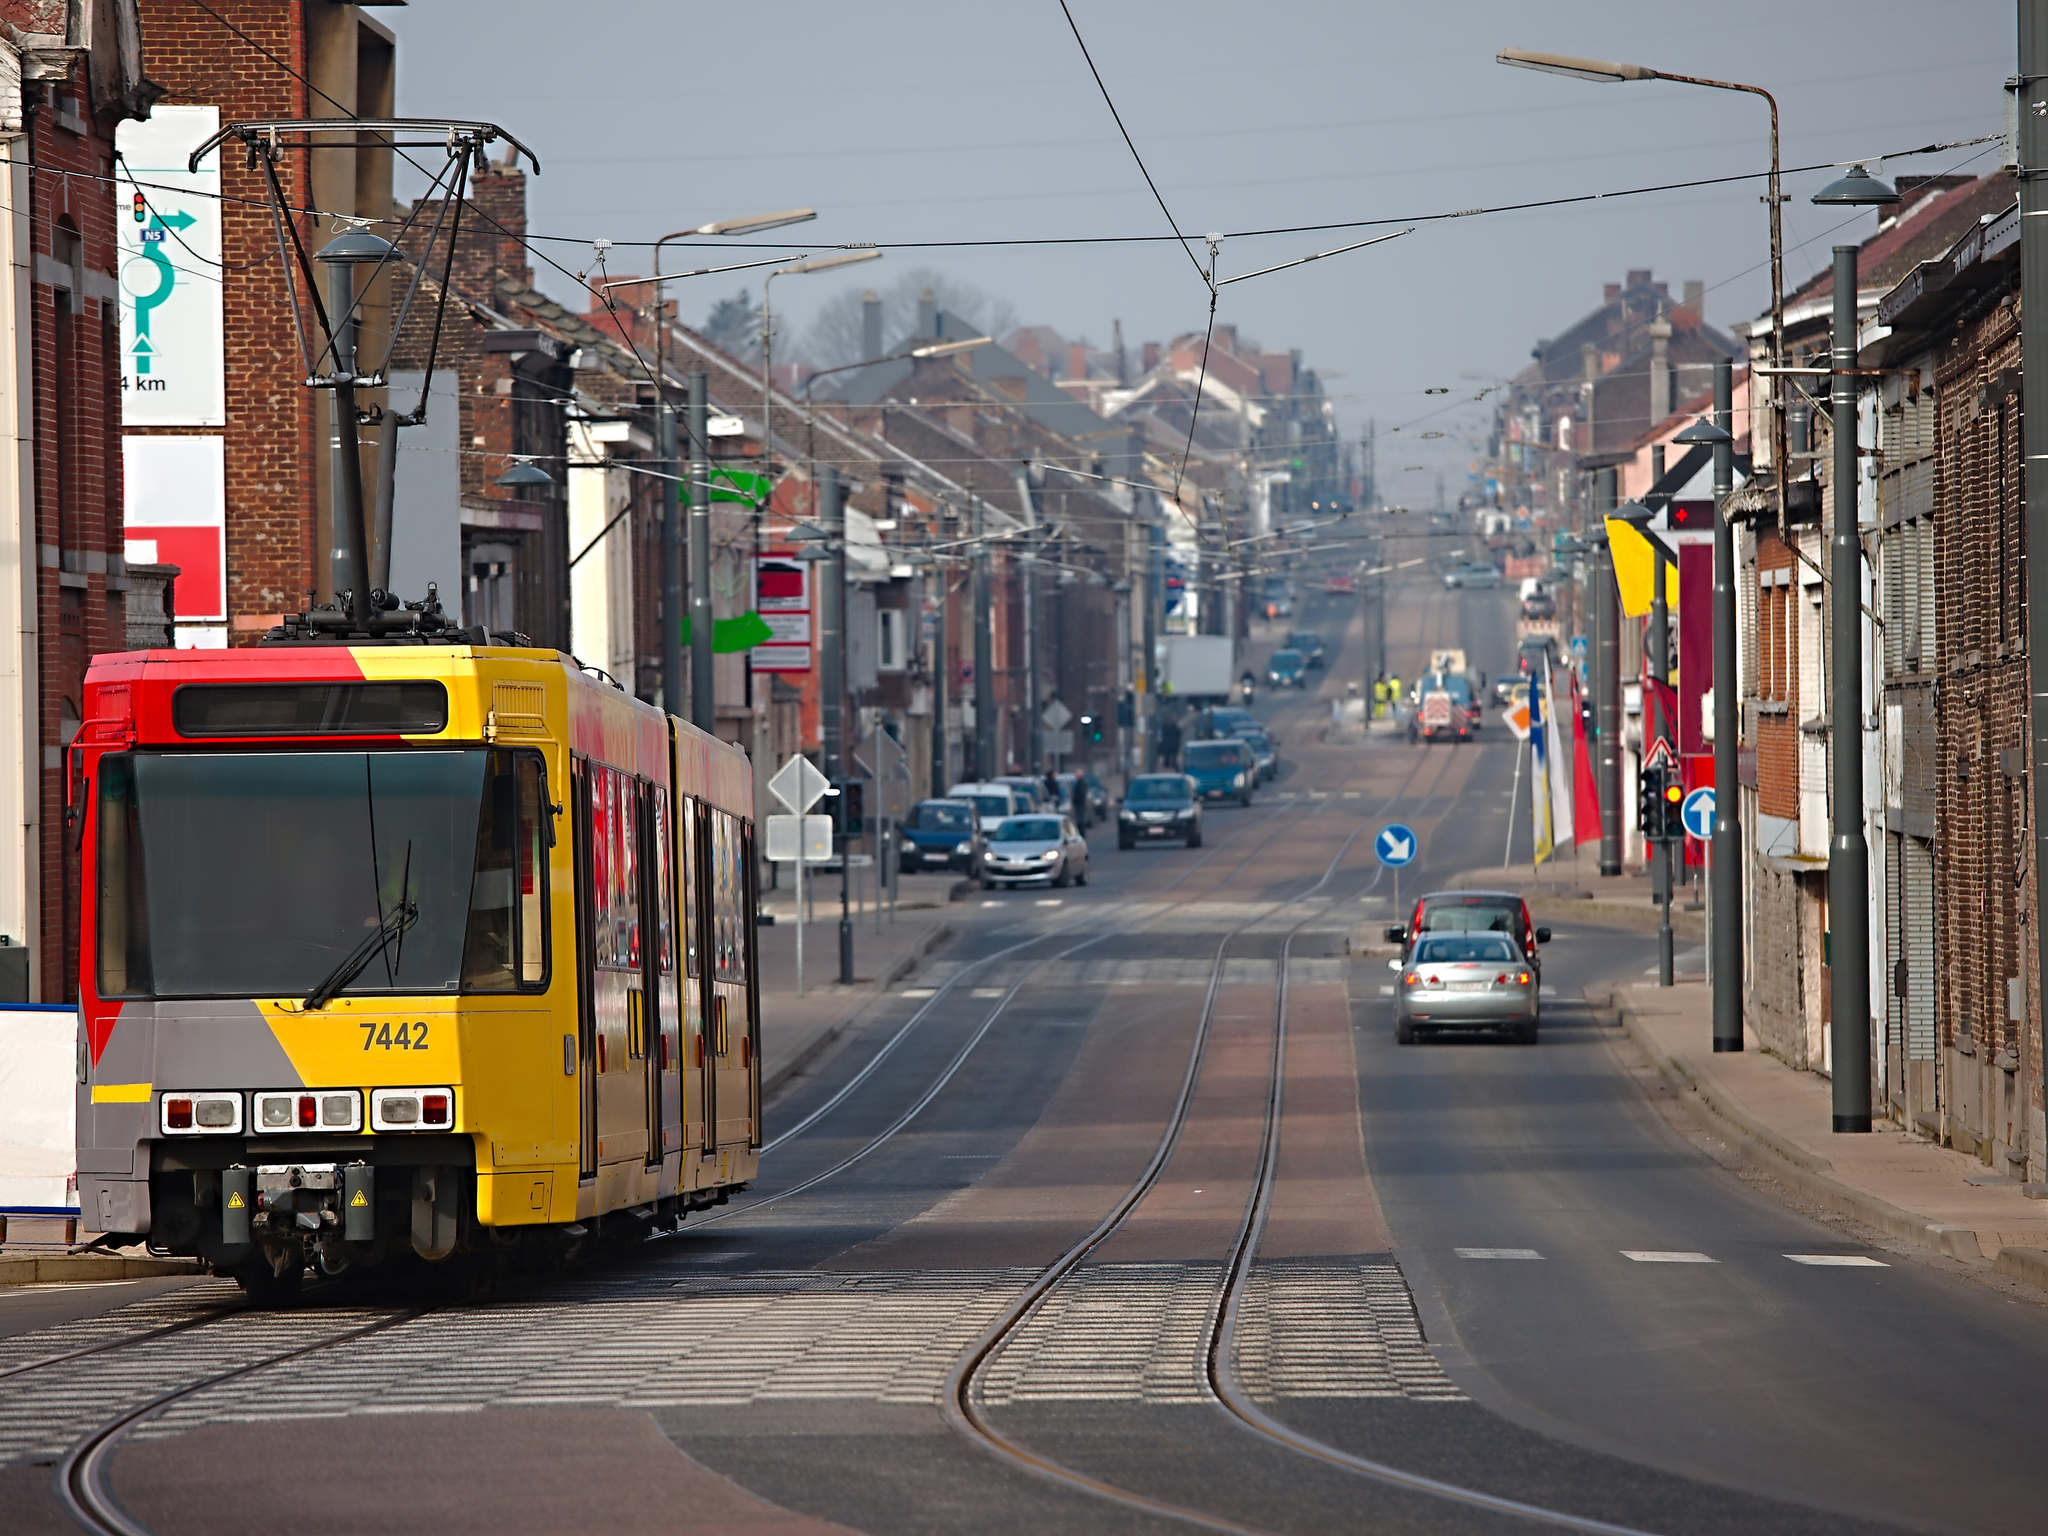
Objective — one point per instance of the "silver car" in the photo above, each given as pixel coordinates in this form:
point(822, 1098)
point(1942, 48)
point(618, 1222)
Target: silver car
point(1465, 980)
point(1034, 846)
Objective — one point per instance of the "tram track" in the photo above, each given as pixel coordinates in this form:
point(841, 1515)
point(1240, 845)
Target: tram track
point(969, 1416)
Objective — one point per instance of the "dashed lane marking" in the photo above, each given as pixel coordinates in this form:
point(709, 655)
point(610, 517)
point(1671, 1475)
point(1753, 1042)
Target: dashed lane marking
point(1048, 901)
point(1497, 1253)
point(1838, 1260)
point(1663, 1256)
point(987, 992)
point(917, 992)
point(1353, 794)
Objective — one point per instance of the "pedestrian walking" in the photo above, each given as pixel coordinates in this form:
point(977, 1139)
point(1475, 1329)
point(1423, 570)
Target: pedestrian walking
point(1080, 800)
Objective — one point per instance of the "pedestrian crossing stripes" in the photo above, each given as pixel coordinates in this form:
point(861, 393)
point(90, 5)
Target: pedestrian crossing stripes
point(1664, 1256)
point(1838, 1260)
point(1137, 1332)
point(1688, 1256)
point(652, 1340)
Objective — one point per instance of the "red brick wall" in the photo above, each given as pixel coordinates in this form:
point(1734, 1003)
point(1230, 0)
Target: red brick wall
point(1777, 680)
point(78, 521)
point(274, 423)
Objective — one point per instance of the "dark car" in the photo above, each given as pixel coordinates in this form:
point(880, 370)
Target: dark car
point(1287, 669)
point(1222, 770)
point(1260, 740)
point(1160, 807)
point(1472, 912)
point(1309, 643)
point(941, 834)
point(1539, 605)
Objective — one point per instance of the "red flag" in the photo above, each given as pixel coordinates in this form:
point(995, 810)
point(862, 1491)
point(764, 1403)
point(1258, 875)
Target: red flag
point(1665, 698)
point(1585, 793)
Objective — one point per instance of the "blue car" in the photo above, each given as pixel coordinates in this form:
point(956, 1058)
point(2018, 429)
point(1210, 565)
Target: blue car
point(1222, 770)
point(1287, 669)
point(941, 834)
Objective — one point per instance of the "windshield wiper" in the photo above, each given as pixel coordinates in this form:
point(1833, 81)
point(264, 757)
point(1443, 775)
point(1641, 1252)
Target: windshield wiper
point(373, 944)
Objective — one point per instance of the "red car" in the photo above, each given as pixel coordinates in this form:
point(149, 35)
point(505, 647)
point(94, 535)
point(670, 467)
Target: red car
point(1469, 912)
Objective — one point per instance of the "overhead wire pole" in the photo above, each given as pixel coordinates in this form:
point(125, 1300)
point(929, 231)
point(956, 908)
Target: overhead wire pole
point(703, 674)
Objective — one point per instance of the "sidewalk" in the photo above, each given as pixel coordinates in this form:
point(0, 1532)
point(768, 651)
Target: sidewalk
point(1559, 890)
point(794, 1030)
point(1892, 1180)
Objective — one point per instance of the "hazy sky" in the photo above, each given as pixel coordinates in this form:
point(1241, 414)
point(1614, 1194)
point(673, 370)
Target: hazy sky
point(943, 120)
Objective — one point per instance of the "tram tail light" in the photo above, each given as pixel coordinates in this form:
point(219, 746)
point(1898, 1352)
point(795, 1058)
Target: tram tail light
point(434, 1109)
point(177, 1114)
point(309, 1112)
point(187, 1113)
point(411, 1109)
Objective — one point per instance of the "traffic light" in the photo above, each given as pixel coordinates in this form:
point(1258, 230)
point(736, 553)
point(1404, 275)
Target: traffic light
point(1674, 802)
point(1092, 727)
point(1126, 711)
point(1650, 803)
point(849, 807)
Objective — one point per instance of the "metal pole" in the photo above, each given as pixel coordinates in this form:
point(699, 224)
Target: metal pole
point(941, 680)
point(1724, 852)
point(832, 682)
point(1155, 606)
point(984, 657)
point(1664, 853)
point(1034, 728)
point(671, 556)
point(800, 905)
point(387, 494)
point(1848, 855)
point(1607, 684)
point(703, 679)
point(1514, 799)
point(349, 563)
point(2033, 157)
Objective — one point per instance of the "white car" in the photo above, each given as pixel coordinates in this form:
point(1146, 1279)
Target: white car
point(991, 802)
point(1035, 846)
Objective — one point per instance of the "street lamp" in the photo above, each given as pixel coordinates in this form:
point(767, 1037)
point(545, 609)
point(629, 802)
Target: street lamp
point(1848, 853)
point(930, 349)
point(794, 269)
point(1606, 72)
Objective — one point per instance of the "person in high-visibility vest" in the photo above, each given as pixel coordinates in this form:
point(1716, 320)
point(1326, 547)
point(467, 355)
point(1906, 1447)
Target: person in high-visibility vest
point(1379, 697)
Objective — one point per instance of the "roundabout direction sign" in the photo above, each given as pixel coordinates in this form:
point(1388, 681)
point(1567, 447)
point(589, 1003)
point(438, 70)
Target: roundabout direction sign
point(1697, 812)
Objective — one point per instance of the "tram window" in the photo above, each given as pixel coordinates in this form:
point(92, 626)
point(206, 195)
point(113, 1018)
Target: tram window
point(505, 948)
point(691, 898)
point(120, 910)
point(729, 897)
point(614, 869)
point(664, 877)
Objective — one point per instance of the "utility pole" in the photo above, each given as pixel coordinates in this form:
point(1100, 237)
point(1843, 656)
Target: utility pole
point(703, 684)
point(2033, 164)
point(350, 561)
point(1607, 680)
point(984, 652)
point(1155, 603)
point(671, 550)
point(832, 684)
point(1662, 853)
point(1724, 856)
point(941, 677)
point(1848, 854)
point(1027, 571)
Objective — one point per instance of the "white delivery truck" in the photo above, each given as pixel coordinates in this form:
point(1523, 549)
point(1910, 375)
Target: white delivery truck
point(1198, 669)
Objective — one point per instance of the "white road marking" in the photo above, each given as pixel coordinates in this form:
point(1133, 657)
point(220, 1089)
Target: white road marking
point(917, 992)
point(989, 901)
point(1048, 901)
point(1497, 1253)
point(1838, 1260)
point(987, 992)
point(1353, 794)
point(1386, 991)
point(61, 1285)
point(1656, 1256)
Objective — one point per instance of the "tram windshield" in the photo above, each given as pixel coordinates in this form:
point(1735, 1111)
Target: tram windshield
point(257, 874)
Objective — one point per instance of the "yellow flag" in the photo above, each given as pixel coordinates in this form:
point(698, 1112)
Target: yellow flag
point(1635, 569)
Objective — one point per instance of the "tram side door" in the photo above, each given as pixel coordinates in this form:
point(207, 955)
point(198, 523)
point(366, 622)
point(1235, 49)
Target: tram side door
point(586, 971)
point(704, 1046)
point(651, 1010)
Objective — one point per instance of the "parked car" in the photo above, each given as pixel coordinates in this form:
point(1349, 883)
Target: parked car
point(1464, 981)
point(941, 834)
point(1158, 807)
point(1477, 575)
point(991, 802)
point(1035, 846)
point(1473, 912)
point(1309, 643)
point(1223, 720)
point(1221, 769)
point(1287, 669)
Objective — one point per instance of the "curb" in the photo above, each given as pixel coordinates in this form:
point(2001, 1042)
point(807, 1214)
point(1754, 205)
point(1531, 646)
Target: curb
point(55, 1268)
point(941, 933)
point(1813, 1177)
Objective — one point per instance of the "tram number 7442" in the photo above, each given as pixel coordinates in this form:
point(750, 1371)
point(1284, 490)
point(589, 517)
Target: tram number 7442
point(408, 1037)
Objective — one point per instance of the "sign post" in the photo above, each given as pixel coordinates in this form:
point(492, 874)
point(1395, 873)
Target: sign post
point(1396, 846)
point(798, 784)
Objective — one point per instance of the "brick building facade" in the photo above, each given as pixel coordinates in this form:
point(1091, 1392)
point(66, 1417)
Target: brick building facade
point(72, 72)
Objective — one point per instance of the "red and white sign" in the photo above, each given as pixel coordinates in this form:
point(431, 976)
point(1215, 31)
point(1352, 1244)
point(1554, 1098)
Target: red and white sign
point(782, 596)
point(175, 507)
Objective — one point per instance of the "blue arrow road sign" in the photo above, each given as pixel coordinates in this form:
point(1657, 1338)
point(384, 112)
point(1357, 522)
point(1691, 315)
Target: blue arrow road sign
point(1396, 845)
point(1698, 814)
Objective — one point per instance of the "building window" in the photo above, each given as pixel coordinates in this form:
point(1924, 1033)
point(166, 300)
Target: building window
point(889, 639)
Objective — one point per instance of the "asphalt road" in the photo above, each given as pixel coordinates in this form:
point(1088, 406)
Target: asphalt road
point(1494, 1289)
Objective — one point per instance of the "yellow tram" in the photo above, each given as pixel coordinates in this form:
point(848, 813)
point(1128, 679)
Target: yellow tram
point(405, 946)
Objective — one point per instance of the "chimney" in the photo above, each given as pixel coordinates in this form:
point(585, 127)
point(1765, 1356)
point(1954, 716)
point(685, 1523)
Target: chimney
point(1660, 370)
point(1638, 277)
point(1148, 356)
point(484, 250)
point(1077, 360)
point(1696, 299)
point(1609, 292)
point(1123, 362)
point(927, 315)
point(1589, 362)
point(871, 324)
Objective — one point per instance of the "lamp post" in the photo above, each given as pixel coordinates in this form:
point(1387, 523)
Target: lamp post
point(1848, 853)
point(1724, 849)
point(1606, 72)
point(829, 550)
point(794, 269)
point(672, 596)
